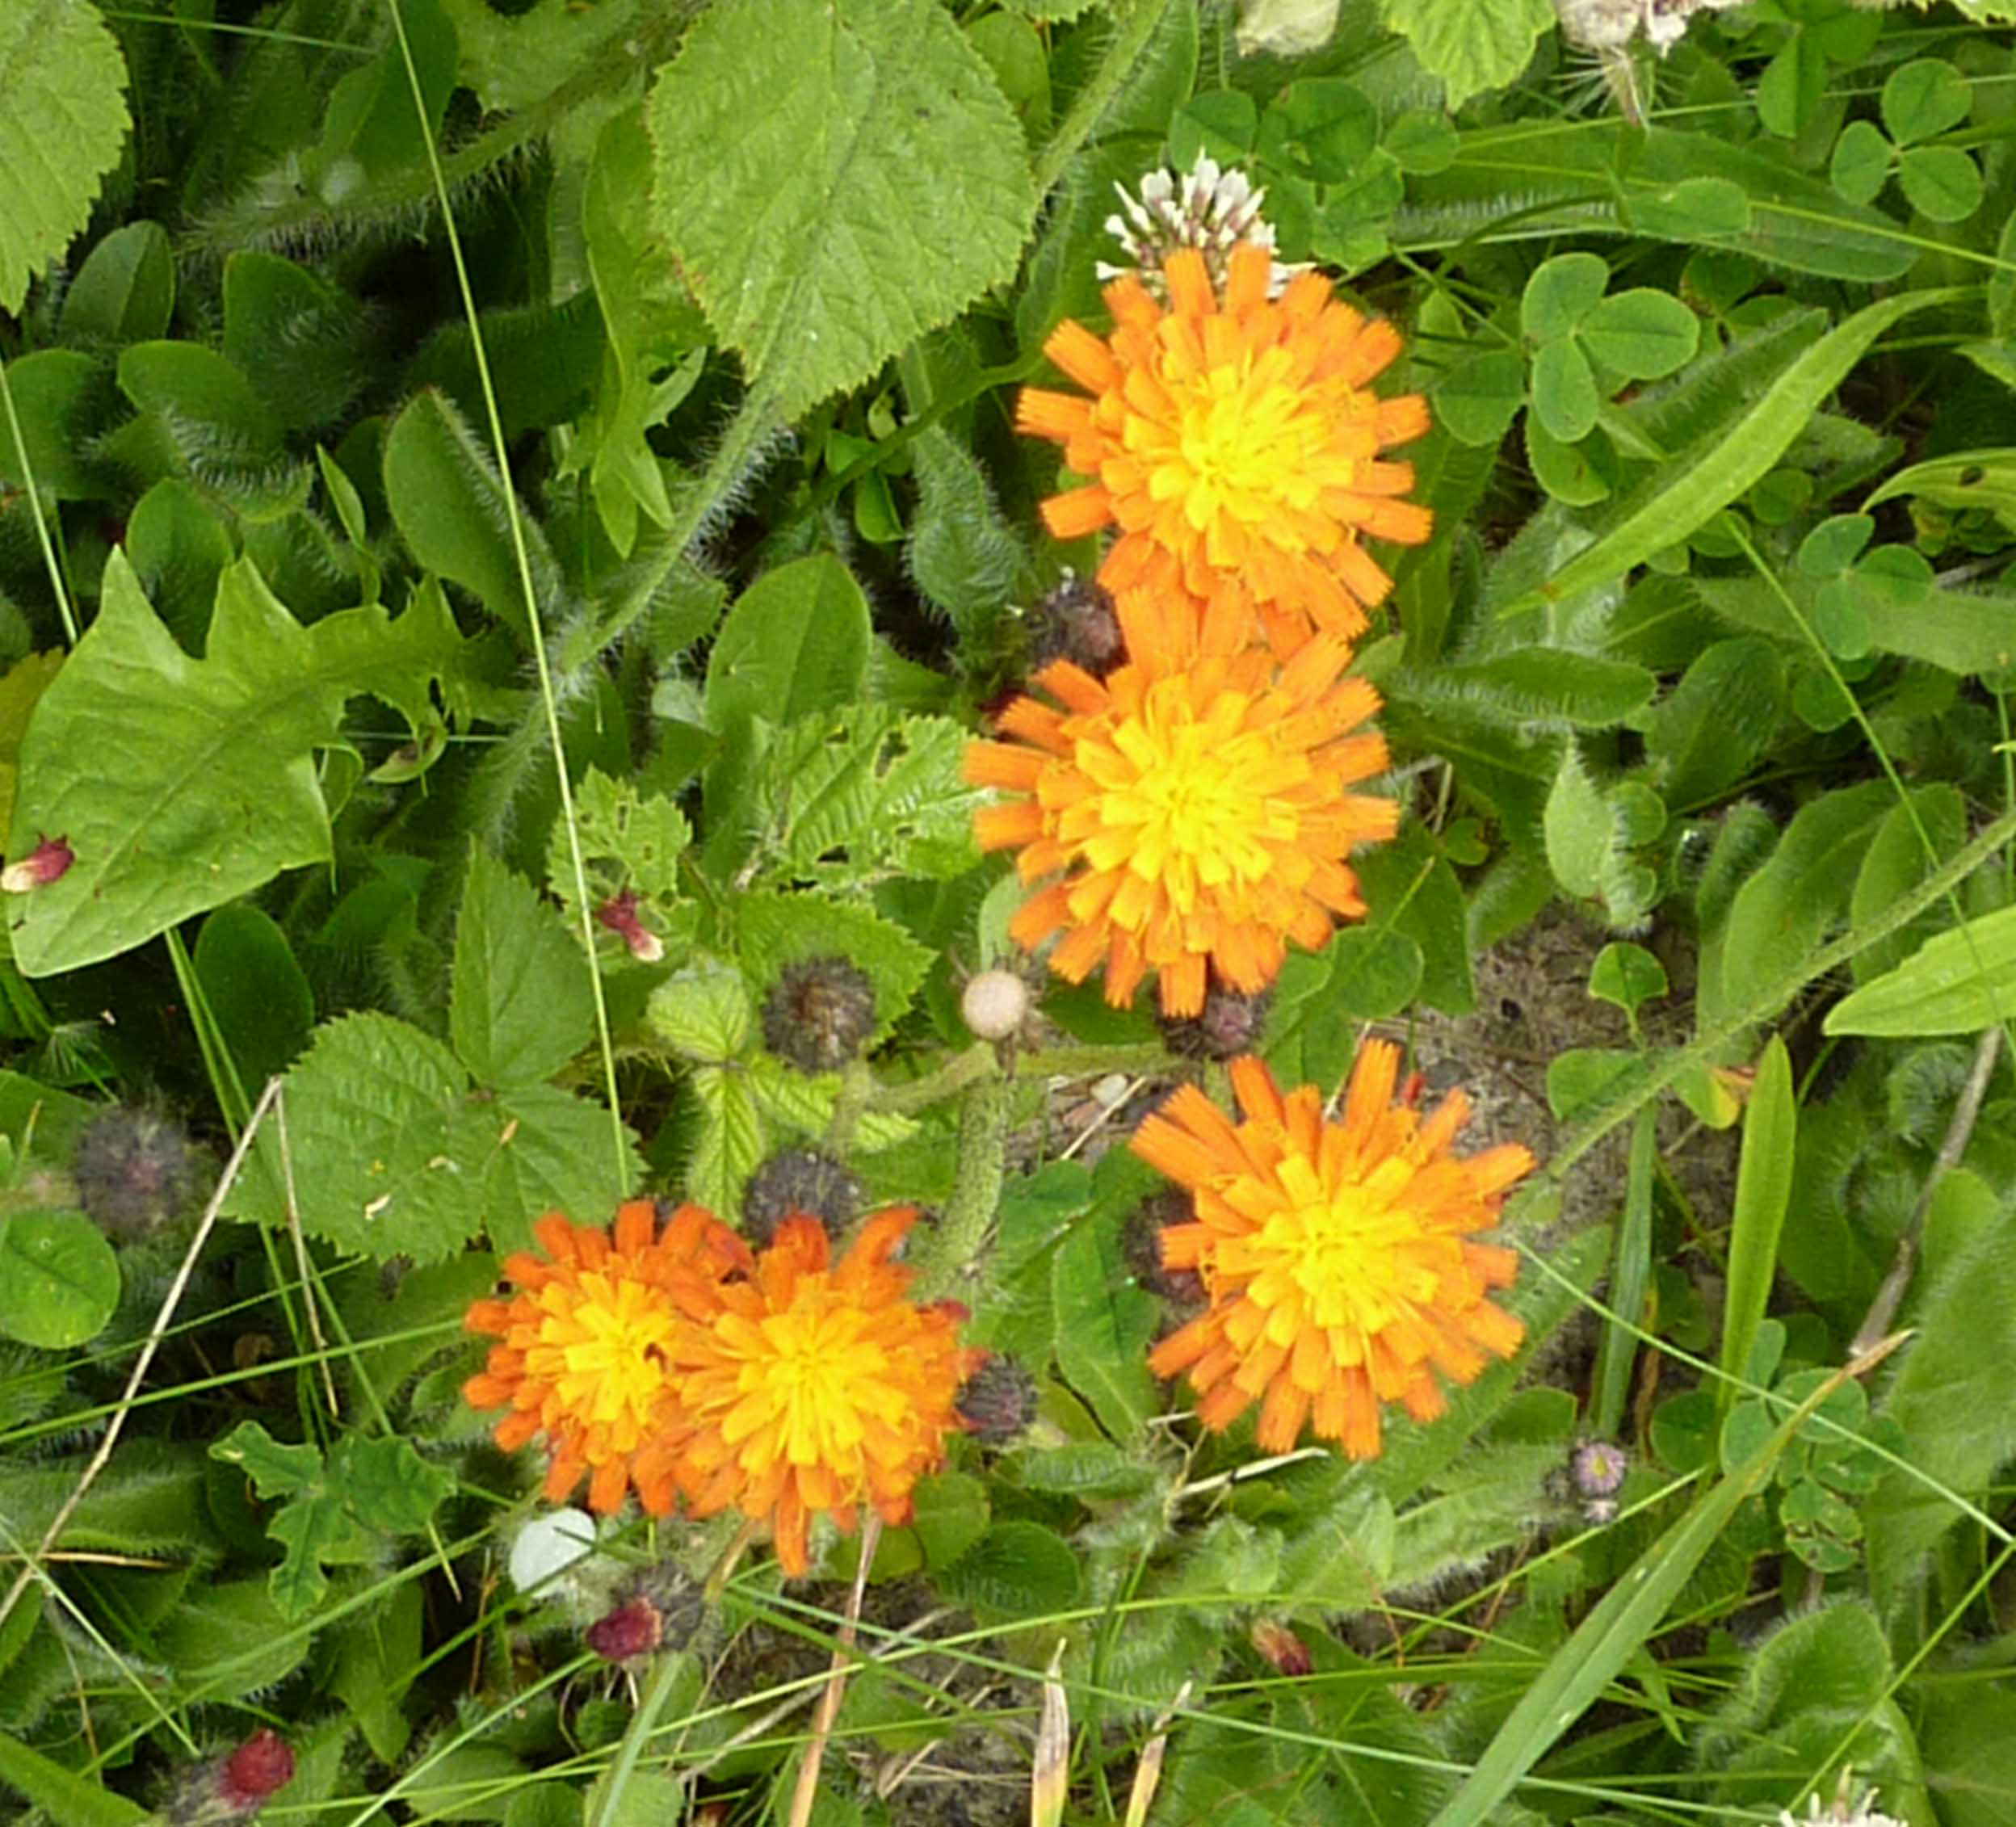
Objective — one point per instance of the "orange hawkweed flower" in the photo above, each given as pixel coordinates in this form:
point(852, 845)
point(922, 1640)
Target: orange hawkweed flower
point(586, 1342)
point(1236, 443)
point(815, 1387)
point(1194, 805)
point(1338, 1257)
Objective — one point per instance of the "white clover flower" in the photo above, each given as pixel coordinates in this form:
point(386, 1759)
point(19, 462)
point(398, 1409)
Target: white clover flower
point(1211, 209)
point(549, 1544)
point(1609, 25)
point(1842, 1811)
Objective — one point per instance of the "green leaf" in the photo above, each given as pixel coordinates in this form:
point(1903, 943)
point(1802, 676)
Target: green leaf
point(1861, 164)
point(310, 1530)
point(733, 1139)
point(705, 1012)
point(1763, 1193)
point(60, 1792)
point(796, 641)
point(125, 290)
point(1016, 1570)
point(1896, 862)
point(1641, 333)
point(1957, 982)
point(59, 1278)
point(544, 1149)
point(57, 398)
point(1526, 687)
point(204, 785)
point(1783, 911)
point(1564, 393)
point(846, 801)
point(867, 137)
point(1923, 98)
point(1688, 491)
point(1626, 975)
point(1577, 825)
point(1104, 1327)
point(300, 341)
point(387, 1483)
point(448, 501)
point(1942, 183)
point(1954, 1398)
point(1719, 721)
point(228, 1637)
point(631, 842)
point(63, 123)
point(1960, 481)
point(276, 1468)
point(178, 548)
point(963, 554)
point(369, 1661)
point(523, 1005)
point(258, 993)
point(1476, 399)
point(1968, 1737)
point(1471, 44)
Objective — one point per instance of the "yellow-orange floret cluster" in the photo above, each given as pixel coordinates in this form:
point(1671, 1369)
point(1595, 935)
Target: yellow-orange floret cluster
point(1194, 806)
point(1236, 444)
point(1339, 1259)
point(674, 1362)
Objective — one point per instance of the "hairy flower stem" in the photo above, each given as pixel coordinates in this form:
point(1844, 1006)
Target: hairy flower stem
point(1130, 39)
point(951, 1255)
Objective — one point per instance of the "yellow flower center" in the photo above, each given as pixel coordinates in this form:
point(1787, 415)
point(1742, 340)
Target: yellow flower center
point(809, 1379)
point(1348, 1255)
point(1247, 438)
point(602, 1347)
point(1188, 802)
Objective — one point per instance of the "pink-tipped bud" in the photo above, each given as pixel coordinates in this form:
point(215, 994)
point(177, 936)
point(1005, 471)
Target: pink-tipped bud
point(49, 861)
point(1282, 1648)
point(619, 915)
point(250, 1775)
point(631, 1630)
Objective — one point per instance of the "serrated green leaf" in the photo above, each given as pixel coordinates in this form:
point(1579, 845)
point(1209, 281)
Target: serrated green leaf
point(773, 930)
point(522, 1006)
point(63, 121)
point(204, 785)
point(818, 125)
point(705, 1012)
point(1471, 44)
point(732, 1138)
point(276, 1468)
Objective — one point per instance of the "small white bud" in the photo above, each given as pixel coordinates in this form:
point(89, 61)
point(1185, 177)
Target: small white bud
point(994, 1004)
point(550, 1544)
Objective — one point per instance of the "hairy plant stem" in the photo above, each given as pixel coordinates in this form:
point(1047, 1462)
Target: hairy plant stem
point(1130, 39)
point(951, 1253)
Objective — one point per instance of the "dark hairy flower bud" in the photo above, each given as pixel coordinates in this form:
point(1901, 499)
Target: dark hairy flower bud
point(132, 1169)
point(1076, 622)
point(1229, 1024)
point(819, 1014)
point(663, 1604)
point(998, 1401)
point(799, 1180)
point(1141, 1240)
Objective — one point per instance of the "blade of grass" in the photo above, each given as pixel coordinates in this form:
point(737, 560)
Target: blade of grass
point(1629, 1275)
point(1622, 1621)
point(1763, 1191)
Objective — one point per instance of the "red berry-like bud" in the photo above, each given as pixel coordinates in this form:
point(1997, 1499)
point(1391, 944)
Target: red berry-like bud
point(619, 915)
point(1282, 1648)
point(49, 861)
point(262, 1765)
point(631, 1630)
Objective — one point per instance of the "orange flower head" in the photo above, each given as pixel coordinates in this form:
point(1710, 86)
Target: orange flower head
point(1339, 1258)
point(814, 1386)
point(1234, 440)
point(1193, 806)
point(585, 1351)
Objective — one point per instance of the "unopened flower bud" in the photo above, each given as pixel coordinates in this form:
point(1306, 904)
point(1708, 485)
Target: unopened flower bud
point(994, 1004)
point(1141, 1241)
point(820, 1014)
point(998, 1401)
point(132, 1169)
point(1281, 1647)
point(619, 915)
point(48, 862)
point(549, 1544)
point(1229, 1024)
point(795, 1180)
point(630, 1631)
point(1076, 622)
point(235, 1787)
